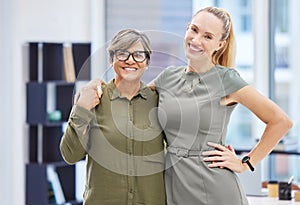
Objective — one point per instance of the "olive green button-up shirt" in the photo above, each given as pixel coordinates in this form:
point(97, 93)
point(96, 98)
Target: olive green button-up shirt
point(123, 143)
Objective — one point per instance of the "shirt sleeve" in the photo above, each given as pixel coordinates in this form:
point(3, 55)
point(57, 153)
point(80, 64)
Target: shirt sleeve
point(232, 81)
point(72, 143)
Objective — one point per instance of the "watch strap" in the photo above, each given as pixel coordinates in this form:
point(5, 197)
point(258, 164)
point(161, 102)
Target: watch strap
point(246, 159)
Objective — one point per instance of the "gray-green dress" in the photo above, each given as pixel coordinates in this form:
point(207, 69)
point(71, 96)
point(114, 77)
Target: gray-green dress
point(191, 114)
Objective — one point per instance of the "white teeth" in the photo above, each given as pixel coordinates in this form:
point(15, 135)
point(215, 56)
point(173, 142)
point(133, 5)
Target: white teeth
point(195, 48)
point(130, 69)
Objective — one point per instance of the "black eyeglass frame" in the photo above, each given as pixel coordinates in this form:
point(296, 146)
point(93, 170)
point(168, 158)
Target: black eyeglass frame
point(147, 56)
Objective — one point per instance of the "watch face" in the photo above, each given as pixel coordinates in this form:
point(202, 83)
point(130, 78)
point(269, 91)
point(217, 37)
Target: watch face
point(245, 159)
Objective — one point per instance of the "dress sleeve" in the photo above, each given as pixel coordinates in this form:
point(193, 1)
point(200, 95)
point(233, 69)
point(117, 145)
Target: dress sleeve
point(166, 77)
point(232, 81)
point(159, 80)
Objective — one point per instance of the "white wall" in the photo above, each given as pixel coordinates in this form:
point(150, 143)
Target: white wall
point(5, 151)
point(20, 22)
point(54, 20)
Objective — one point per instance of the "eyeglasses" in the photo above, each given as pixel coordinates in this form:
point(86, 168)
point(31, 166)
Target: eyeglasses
point(138, 56)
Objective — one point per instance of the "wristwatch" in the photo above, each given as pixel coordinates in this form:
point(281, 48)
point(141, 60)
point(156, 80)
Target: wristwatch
point(246, 159)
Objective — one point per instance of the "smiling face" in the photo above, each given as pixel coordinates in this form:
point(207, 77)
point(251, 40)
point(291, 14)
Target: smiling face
point(203, 37)
point(130, 70)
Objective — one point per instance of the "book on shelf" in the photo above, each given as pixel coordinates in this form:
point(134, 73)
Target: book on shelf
point(55, 185)
point(51, 197)
point(69, 67)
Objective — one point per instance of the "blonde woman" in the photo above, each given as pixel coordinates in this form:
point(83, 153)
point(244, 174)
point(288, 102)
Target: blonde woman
point(196, 103)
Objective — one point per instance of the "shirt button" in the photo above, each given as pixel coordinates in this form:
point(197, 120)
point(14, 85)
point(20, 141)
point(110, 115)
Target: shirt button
point(130, 195)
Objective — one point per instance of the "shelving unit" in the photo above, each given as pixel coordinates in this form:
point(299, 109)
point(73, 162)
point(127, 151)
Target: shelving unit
point(47, 91)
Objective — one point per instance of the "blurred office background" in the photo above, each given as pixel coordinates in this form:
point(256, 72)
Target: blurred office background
point(267, 35)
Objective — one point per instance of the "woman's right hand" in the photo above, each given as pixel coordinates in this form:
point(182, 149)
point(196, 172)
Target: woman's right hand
point(89, 95)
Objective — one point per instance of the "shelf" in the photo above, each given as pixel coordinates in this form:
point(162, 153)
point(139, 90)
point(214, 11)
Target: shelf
point(82, 62)
point(45, 97)
point(44, 144)
point(47, 91)
point(45, 61)
point(37, 183)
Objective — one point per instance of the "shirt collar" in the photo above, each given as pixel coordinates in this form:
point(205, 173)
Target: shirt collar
point(114, 93)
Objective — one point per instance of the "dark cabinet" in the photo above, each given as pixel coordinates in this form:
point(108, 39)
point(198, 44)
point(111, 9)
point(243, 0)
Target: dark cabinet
point(49, 99)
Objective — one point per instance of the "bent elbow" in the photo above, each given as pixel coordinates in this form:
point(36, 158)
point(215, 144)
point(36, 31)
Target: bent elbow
point(68, 156)
point(287, 123)
point(69, 161)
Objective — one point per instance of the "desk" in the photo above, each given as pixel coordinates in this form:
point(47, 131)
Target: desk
point(270, 201)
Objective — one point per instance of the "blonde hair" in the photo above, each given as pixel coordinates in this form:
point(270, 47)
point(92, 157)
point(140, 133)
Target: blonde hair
point(226, 55)
point(125, 39)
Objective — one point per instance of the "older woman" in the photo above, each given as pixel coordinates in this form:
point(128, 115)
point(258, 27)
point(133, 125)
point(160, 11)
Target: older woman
point(120, 136)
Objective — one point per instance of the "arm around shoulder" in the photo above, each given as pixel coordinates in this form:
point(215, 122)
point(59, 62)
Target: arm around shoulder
point(151, 85)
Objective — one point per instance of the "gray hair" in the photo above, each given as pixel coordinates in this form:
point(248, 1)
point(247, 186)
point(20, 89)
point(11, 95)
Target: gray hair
point(125, 39)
